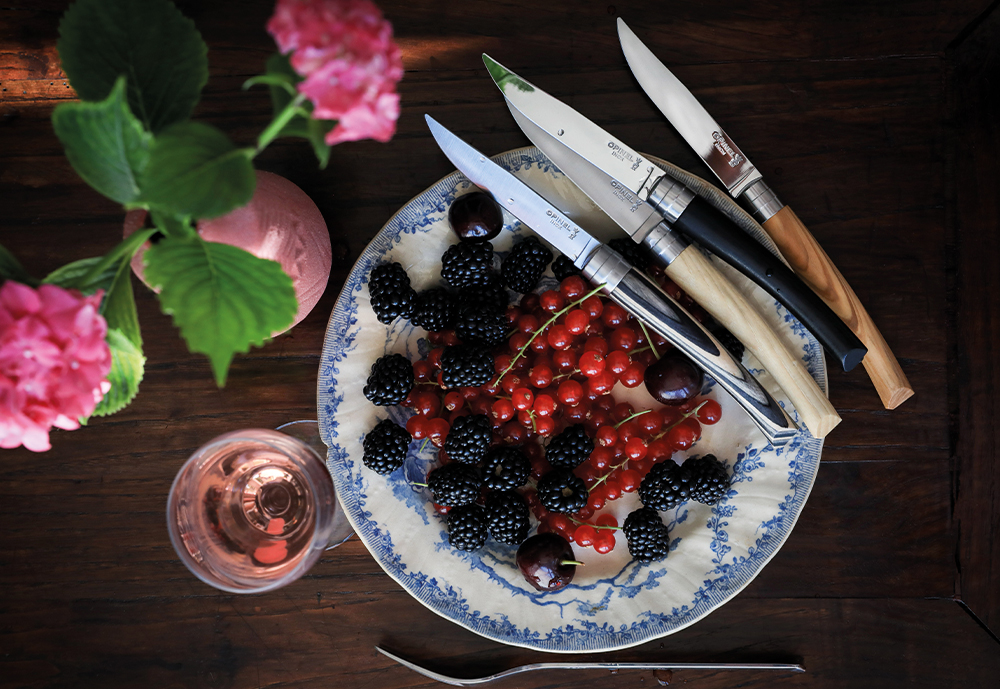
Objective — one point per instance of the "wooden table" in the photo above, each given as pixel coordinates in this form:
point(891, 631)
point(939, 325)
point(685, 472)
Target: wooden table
point(879, 122)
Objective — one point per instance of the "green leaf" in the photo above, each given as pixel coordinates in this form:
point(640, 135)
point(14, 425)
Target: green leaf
point(118, 307)
point(280, 74)
point(71, 275)
point(222, 298)
point(11, 269)
point(149, 41)
point(105, 143)
point(127, 363)
point(195, 171)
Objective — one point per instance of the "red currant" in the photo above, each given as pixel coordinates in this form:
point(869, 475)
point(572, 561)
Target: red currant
point(605, 542)
point(573, 287)
point(551, 301)
point(585, 535)
point(570, 393)
point(593, 306)
point(614, 315)
point(632, 377)
point(577, 322)
point(710, 412)
point(591, 363)
point(596, 344)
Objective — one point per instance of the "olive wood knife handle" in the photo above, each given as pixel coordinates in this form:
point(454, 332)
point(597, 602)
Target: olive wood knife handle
point(811, 263)
point(717, 295)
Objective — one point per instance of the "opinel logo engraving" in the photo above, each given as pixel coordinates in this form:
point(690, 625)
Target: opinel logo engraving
point(723, 147)
point(626, 195)
point(625, 155)
point(555, 220)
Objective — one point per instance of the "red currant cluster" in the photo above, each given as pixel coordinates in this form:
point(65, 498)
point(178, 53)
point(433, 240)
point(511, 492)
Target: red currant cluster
point(568, 350)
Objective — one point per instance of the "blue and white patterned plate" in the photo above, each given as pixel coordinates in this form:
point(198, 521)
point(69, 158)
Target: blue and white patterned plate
point(613, 602)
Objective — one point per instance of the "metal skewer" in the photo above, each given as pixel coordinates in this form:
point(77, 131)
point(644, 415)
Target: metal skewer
point(473, 681)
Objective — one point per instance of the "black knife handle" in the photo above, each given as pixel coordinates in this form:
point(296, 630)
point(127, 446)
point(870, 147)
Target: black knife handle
point(703, 223)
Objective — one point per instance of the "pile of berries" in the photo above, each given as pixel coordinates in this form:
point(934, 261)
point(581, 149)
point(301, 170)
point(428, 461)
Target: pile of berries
point(527, 423)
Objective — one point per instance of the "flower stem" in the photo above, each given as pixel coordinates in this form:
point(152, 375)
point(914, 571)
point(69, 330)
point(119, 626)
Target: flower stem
point(279, 122)
point(125, 249)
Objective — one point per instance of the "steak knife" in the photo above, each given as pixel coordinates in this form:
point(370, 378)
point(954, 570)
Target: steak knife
point(691, 215)
point(742, 179)
point(696, 275)
point(624, 285)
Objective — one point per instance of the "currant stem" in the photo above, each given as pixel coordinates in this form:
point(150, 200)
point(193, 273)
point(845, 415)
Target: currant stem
point(649, 339)
point(596, 526)
point(634, 415)
point(542, 328)
point(605, 477)
point(571, 562)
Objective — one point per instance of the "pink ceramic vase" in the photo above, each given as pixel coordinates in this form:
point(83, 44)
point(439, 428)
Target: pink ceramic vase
point(280, 223)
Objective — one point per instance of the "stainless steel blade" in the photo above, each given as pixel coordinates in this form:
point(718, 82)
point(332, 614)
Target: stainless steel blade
point(517, 197)
point(629, 212)
point(687, 115)
point(575, 131)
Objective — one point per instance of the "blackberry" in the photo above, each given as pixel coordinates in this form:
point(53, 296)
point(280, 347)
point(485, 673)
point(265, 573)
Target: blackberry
point(637, 256)
point(469, 438)
point(571, 448)
point(479, 326)
point(464, 264)
point(525, 265)
point(730, 342)
point(466, 365)
point(385, 447)
point(647, 535)
point(467, 527)
point(506, 468)
point(664, 487)
point(563, 267)
point(434, 310)
point(507, 517)
point(707, 478)
point(454, 484)
point(390, 291)
point(390, 380)
point(489, 295)
point(561, 490)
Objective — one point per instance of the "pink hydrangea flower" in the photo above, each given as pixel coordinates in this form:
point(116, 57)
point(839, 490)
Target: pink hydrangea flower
point(54, 361)
point(350, 64)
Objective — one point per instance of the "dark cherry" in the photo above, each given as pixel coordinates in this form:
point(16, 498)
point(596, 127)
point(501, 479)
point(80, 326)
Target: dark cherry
point(546, 561)
point(476, 217)
point(674, 379)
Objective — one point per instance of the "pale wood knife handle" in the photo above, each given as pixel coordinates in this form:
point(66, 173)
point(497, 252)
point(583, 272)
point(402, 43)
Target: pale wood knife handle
point(811, 263)
point(717, 295)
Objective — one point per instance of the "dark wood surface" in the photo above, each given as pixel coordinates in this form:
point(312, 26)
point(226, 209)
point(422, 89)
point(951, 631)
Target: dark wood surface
point(879, 122)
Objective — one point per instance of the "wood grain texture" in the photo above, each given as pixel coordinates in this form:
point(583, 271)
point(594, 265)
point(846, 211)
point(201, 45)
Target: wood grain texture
point(882, 139)
point(976, 103)
point(811, 263)
point(714, 293)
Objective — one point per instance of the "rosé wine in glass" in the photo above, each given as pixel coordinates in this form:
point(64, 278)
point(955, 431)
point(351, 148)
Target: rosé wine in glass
point(252, 510)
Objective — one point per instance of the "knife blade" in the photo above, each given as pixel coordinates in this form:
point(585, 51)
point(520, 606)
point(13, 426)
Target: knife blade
point(696, 275)
point(742, 179)
point(624, 285)
point(691, 215)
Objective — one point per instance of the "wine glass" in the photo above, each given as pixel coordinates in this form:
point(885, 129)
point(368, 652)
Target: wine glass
point(252, 510)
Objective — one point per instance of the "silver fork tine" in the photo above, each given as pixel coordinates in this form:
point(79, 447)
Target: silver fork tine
point(473, 681)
